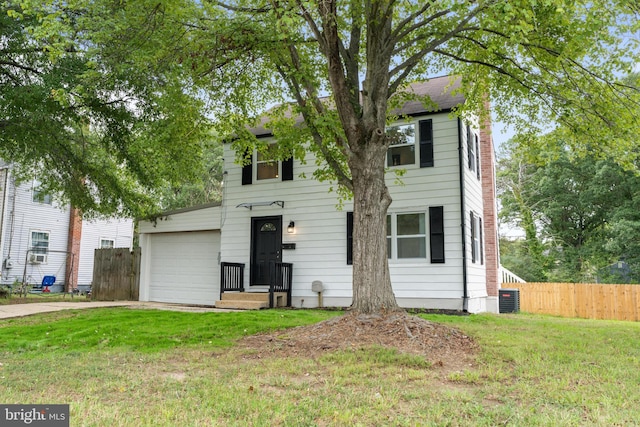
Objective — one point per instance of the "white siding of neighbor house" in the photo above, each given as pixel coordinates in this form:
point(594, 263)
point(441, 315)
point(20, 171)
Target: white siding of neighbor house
point(118, 230)
point(320, 235)
point(21, 216)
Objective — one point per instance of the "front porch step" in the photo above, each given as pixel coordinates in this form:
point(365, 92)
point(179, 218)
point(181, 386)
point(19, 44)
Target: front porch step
point(251, 300)
point(242, 305)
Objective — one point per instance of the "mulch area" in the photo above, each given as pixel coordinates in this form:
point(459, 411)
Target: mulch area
point(442, 345)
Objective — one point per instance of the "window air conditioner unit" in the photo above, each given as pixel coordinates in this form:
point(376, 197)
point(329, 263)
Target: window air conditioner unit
point(37, 258)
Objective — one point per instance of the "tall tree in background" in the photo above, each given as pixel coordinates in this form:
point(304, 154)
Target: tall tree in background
point(579, 203)
point(549, 60)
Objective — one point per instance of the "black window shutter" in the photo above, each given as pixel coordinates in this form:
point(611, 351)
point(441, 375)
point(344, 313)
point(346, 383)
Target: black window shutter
point(477, 158)
point(470, 156)
point(247, 172)
point(436, 234)
point(287, 169)
point(473, 237)
point(349, 238)
point(426, 143)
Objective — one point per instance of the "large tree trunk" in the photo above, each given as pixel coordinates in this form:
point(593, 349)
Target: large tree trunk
point(372, 292)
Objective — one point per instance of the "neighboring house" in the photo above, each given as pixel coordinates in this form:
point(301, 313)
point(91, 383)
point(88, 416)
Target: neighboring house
point(38, 237)
point(441, 233)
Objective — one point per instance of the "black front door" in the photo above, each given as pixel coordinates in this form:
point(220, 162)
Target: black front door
point(266, 247)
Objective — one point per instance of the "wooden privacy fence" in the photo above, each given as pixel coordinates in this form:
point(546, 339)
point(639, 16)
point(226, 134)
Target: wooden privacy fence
point(589, 301)
point(116, 274)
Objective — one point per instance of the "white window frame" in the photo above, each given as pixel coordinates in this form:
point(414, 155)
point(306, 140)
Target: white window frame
point(412, 144)
point(477, 234)
point(40, 197)
point(107, 239)
point(258, 162)
point(393, 237)
point(37, 250)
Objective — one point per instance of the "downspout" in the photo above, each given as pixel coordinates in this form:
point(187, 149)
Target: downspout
point(463, 215)
point(3, 217)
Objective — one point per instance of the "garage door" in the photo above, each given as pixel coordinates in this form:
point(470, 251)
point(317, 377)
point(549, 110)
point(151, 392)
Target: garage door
point(184, 267)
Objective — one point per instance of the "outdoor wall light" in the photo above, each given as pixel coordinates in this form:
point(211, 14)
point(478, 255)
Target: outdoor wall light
point(291, 228)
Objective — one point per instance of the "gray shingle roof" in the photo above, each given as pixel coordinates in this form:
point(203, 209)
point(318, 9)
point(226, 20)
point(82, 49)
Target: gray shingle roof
point(438, 89)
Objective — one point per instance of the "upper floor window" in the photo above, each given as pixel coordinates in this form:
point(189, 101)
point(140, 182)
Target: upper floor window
point(266, 168)
point(40, 196)
point(473, 151)
point(402, 145)
point(263, 167)
point(405, 145)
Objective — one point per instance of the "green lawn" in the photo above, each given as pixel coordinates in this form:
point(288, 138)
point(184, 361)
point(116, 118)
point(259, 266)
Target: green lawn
point(124, 367)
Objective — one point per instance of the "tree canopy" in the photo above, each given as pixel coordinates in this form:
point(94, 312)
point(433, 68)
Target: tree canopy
point(579, 213)
point(88, 106)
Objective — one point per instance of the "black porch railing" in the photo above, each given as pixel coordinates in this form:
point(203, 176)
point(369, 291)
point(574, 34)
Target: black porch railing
point(281, 279)
point(231, 277)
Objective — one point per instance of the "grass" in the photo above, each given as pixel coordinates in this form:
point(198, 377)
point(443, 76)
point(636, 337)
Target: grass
point(129, 367)
point(40, 297)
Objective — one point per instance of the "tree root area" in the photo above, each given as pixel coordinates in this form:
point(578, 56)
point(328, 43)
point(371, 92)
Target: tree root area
point(442, 345)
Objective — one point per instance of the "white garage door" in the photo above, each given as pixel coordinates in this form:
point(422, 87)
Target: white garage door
point(184, 267)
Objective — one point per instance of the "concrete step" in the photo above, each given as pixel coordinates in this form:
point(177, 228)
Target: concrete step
point(242, 304)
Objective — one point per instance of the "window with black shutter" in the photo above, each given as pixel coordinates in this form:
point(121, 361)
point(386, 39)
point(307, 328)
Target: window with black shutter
point(471, 155)
point(474, 237)
point(426, 143)
point(436, 234)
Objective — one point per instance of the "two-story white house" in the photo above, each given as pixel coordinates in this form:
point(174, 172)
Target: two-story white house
point(277, 224)
point(39, 237)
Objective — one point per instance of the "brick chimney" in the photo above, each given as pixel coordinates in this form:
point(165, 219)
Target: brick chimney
point(73, 247)
point(489, 200)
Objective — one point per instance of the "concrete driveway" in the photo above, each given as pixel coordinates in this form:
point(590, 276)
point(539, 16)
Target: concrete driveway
point(27, 309)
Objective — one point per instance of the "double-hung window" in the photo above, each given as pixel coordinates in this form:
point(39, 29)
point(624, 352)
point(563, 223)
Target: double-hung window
point(473, 151)
point(477, 250)
point(39, 246)
point(262, 167)
point(402, 144)
point(41, 197)
point(266, 167)
point(406, 236)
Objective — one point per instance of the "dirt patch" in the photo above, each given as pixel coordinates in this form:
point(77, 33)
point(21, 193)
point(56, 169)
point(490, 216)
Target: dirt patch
point(442, 345)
